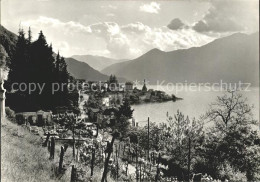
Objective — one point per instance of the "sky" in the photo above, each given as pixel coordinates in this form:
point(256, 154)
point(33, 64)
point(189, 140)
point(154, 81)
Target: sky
point(128, 29)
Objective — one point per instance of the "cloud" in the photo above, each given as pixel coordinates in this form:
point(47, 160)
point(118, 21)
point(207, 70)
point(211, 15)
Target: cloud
point(134, 39)
point(109, 7)
point(110, 14)
point(153, 7)
point(70, 27)
point(62, 46)
point(230, 16)
point(137, 27)
point(176, 24)
point(105, 29)
point(113, 40)
point(64, 36)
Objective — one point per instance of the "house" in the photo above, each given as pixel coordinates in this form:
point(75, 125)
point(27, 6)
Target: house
point(93, 114)
point(61, 109)
point(129, 86)
point(105, 101)
point(39, 118)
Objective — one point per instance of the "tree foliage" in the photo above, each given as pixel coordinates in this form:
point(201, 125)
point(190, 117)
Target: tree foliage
point(232, 139)
point(125, 110)
point(185, 138)
point(33, 63)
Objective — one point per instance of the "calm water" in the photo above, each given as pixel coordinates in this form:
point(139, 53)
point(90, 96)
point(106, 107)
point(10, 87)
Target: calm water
point(195, 104)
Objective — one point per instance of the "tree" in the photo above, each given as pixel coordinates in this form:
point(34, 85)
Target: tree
point(29, 35)
point(112, 83)
point(33, 62)
point(231, 139)
point(230, 111)
point(155, 138)
point(112, 79)
point(122, 125)
point(94, 102)
point(62, 78)
point(17, 73)
point(125, 110)
point(185, 138)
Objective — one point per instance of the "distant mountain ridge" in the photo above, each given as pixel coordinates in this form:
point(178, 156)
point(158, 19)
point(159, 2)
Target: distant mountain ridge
point(97, 62)
point(231, 59)
point(82, 70)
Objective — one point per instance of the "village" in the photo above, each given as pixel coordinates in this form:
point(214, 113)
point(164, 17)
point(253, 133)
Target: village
point(97, 106)
point(93, 129)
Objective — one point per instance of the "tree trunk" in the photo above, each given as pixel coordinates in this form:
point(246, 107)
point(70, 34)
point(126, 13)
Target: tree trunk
point(110, 149)
point(52, 148)
point(61, 159)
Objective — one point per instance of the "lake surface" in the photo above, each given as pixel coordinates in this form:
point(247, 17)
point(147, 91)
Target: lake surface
point(194, 104)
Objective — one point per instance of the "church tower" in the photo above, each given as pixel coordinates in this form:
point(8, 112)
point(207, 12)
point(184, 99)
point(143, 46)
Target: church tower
point(144, 89)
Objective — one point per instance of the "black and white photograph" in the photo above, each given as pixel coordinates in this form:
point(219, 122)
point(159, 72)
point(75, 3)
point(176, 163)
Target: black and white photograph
point(129, 91)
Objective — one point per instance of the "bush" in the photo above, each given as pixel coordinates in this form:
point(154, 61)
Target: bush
point(228, 172)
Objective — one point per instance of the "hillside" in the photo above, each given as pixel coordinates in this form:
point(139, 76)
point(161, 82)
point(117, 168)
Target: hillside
point(96, 62)
point(82, 70)
point(210, 63)
point(7, 43)
point(23, 158)
point(7, 40)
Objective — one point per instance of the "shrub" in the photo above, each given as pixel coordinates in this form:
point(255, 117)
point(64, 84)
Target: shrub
point(227, 172)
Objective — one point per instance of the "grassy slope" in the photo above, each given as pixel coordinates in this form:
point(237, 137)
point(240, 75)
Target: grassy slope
point(23, 158)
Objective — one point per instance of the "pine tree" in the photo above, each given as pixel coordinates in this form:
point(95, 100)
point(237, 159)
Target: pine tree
point(43, 72)
point(17, 66)
point(64, 71)
point(20, 73)
point(29, 35)
point(62, 77)
point(33, 62)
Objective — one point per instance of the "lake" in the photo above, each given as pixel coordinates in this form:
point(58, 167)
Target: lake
point(194, 104)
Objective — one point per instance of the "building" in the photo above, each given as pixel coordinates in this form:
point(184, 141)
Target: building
point(105, 101)
point(93, 114)
point(129, 86)
point(39, 118)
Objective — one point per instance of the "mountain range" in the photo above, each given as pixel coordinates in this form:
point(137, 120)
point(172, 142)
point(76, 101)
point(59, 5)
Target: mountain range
point(231, 59)
point(97, 62)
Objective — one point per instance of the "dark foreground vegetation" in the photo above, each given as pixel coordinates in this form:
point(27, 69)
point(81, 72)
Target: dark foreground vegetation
point(33, 63)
